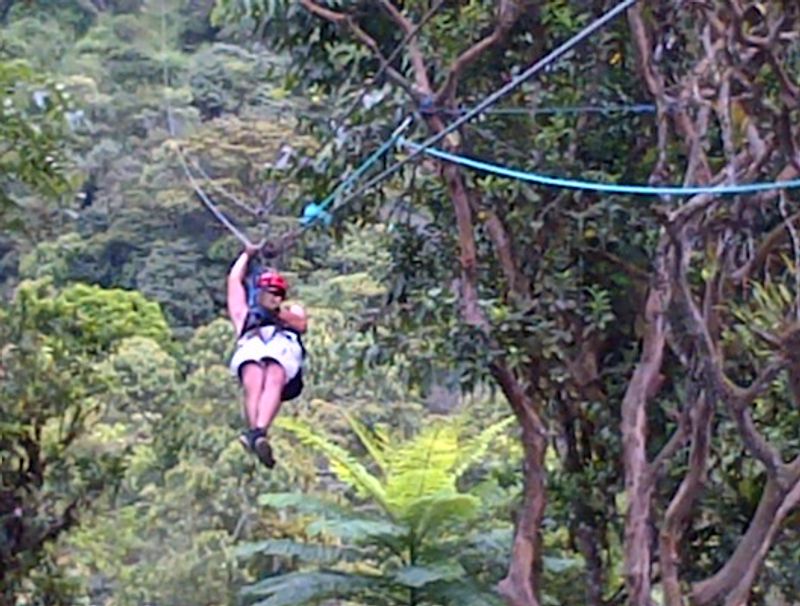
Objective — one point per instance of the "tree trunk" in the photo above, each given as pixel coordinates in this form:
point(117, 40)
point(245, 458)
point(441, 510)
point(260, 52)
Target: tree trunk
point(735, 579)
point(638, 481)
point(680, 507)
point(521, 584)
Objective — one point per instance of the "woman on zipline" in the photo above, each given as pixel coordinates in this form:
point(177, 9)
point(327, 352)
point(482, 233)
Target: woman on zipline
point(269, 352)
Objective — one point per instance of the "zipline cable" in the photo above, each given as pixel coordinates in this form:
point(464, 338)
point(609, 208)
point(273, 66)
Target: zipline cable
point(315, 212)
point(385, 64)
point(544, 62)
point(223, 191)
point(219, 215)
point(554, 110)
point(614, 188)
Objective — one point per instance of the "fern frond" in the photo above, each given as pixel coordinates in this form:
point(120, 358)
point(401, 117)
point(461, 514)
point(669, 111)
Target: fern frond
point(298, 588)
point(423, 466)
point(343, 464)
point(307, 552)
point(374, 442)
point(429, 513)
point(471, 452)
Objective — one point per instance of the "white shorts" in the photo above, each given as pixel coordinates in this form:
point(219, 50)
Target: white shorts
point(267, 343)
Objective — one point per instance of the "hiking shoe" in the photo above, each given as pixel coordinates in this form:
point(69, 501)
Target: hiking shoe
point(263, 450)
point(246, 440)
point(255, 441)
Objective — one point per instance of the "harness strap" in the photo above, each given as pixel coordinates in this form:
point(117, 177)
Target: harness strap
point(258, 318)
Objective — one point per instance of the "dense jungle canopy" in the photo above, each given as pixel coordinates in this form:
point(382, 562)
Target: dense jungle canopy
point(515, 393)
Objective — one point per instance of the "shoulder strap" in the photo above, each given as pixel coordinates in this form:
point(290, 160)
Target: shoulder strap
point(256, 317)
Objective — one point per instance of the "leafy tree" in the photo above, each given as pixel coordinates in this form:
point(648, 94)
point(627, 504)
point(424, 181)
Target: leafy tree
point(32, 132)
point(410, 545)
point(54, 466)
point(589, 313)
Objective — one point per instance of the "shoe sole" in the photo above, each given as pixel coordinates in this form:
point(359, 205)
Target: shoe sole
point(264, 452)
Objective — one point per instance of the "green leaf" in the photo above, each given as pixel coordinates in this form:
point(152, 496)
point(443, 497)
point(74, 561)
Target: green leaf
point(464, 592)
point(419, 576)
point(371, 442)
point(299, 588)
point(303, 503)
point(308, 552)
point(353, 529)
point(423, 467)
point(475, 449)
point(429, 513)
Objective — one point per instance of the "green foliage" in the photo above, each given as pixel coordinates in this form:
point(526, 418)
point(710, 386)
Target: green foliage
point(393, 547)
point(382, 287)
point(32, 134)
point(51, 470)
point(302, 587)
point(92, 318)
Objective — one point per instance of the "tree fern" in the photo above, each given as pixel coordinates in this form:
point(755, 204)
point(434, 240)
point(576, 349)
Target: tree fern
point(474, 450)
point(298, 588)
point(343, 464)
point(307, 552)
point(422, 467)
point(419, 510)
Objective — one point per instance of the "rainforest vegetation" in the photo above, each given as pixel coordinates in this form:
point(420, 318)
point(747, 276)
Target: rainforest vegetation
point(515, 393)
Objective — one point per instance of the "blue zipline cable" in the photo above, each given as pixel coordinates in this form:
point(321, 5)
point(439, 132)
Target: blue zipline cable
point(385, 64)
point(541, 64)
point(613, 188)
point(318, 211)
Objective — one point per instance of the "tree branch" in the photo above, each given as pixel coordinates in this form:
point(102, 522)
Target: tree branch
point(737, 398)
point(414, 52)
point(638, 484)
point(508, 12)
point(777, 236)
point(518, 283)
point(680, 507)
point(735, 579)
point(345, 20)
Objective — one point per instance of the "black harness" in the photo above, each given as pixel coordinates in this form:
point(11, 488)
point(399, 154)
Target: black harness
point(259, 317)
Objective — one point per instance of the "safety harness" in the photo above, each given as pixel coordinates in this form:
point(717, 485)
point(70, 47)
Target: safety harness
point(260, 317)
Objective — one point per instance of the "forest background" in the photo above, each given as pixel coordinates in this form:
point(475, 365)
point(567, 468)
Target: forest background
point(514, 393)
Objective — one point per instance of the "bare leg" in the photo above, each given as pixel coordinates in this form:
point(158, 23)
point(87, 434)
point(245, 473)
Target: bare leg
point(270, 401)
point(253, 382)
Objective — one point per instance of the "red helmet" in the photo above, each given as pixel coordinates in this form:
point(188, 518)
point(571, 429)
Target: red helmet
point(273, 280)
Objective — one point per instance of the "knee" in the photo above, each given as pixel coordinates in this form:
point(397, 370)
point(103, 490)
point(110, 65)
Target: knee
point(274, 375)
point(252, 376)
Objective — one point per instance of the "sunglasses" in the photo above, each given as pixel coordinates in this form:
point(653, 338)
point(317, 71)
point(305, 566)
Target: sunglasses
point(277, 292)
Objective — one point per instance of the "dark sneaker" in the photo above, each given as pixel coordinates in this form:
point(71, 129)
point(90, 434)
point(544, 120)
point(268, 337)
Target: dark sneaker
point(263, 450)
point(246, 440)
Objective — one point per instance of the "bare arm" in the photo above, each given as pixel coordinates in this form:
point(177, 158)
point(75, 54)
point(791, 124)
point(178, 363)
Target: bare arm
point(237, 297)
